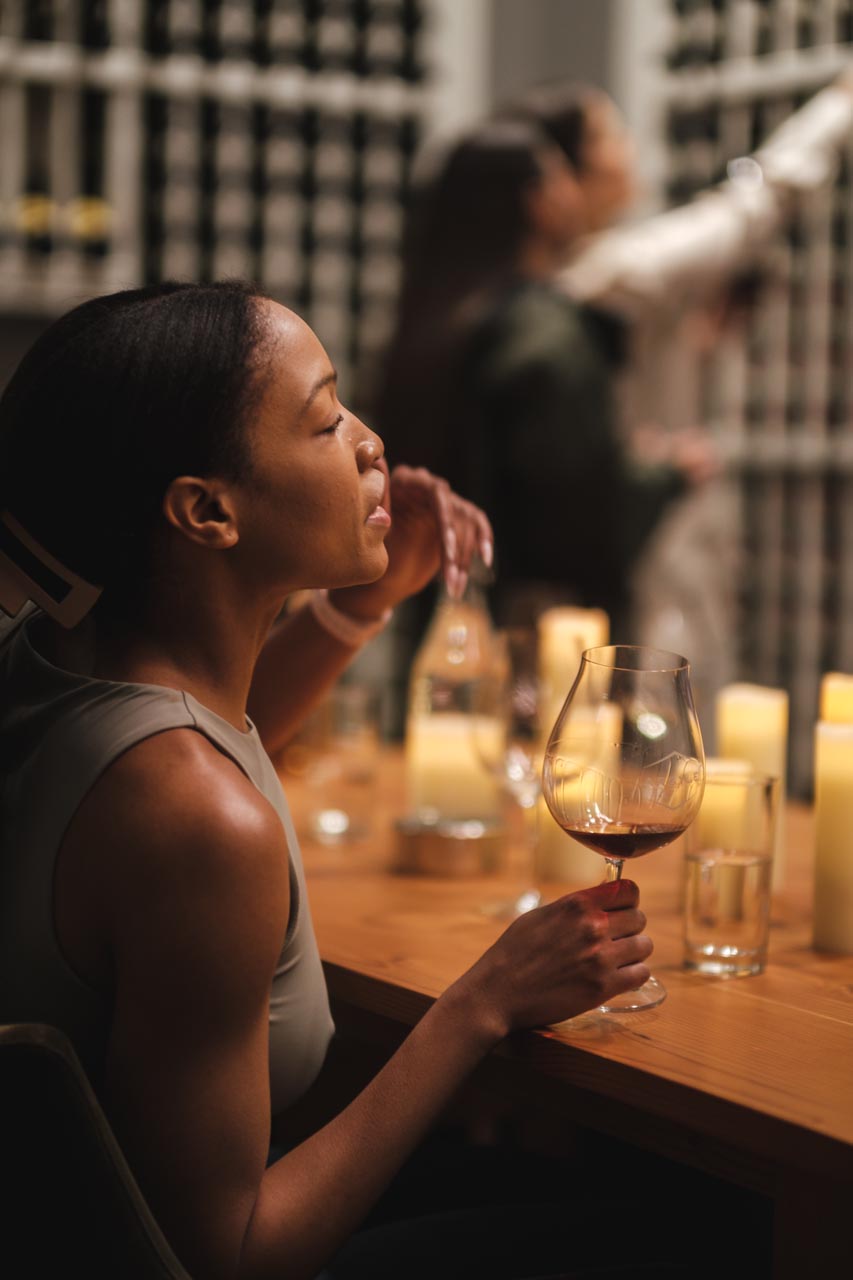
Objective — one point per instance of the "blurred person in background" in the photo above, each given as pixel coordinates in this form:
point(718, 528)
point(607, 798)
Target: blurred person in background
point(502, 383)
point(680, 284)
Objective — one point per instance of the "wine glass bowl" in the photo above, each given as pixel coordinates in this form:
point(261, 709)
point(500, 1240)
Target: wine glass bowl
point(624, 768)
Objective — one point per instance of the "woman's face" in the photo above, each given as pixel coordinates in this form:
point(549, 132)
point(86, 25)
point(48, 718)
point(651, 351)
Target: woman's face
point(312, 512)
point(606, 179)
point(554, 204)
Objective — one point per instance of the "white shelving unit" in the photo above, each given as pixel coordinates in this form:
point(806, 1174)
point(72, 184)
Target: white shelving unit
point(784, 401)
point(273, 139)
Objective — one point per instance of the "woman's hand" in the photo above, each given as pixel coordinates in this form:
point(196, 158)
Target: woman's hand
point(432, 528)
point(562, 959)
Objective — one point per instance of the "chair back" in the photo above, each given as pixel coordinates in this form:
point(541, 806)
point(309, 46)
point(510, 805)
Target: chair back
point(70, 1202)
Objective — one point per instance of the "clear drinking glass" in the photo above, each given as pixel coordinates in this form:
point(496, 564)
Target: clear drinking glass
point(624, 766)
point(728, 864)
point(507, 735)
point(337, 753)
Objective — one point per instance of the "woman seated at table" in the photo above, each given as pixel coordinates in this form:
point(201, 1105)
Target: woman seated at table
point(184, 448)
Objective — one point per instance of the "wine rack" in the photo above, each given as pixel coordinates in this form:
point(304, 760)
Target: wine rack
point(783, 398)
point(200, 139)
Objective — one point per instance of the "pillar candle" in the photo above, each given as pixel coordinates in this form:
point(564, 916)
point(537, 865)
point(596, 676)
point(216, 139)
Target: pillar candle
point(833, 897)
point(722, 819)
point(752, 725)
point(564, 633)
point(597, 731)
point(836, 698)
point(445, 775)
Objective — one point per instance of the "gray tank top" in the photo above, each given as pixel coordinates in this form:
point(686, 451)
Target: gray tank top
point(58, 733)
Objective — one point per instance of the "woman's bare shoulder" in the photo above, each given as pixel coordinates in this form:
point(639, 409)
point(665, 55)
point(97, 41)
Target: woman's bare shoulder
point(176, 786)
point(174, 831)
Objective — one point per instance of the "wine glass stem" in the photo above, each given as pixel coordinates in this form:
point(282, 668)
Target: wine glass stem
point(614, 869)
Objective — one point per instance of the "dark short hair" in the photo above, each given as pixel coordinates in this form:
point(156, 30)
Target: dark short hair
point(560, 107)
point(115, 400)
point(469, 220)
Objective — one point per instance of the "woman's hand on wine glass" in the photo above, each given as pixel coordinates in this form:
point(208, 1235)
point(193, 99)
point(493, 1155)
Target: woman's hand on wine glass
point(565, 958)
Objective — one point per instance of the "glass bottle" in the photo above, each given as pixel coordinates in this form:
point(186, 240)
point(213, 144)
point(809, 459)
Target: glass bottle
point(446, 779)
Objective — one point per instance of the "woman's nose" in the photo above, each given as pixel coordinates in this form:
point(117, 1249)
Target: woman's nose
point(369, 450)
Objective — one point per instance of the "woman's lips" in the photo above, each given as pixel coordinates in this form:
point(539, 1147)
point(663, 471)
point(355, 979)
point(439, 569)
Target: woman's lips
point(379, 516)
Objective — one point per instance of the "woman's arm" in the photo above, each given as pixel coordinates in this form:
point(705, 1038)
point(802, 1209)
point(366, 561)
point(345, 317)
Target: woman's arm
point(193, 886)
point(679, 253)
point(432, 529)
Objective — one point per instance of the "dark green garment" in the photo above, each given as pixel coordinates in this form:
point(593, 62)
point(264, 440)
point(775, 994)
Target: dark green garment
point(542, 451)
point(518, 413)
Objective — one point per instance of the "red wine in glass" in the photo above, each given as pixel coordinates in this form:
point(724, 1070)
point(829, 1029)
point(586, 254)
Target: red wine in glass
point(633, 842)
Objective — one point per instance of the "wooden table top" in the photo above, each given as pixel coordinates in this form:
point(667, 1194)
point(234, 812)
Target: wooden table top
point(760, 1066)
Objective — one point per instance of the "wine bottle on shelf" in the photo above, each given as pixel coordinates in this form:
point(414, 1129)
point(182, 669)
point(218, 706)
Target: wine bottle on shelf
point(209, 118)
point(412, 66)
point(309, 53)
point(155, 28)
point(360, 16)
point(94, 24)
point(38, 23)
point(36, 212)
point(90, 216)
point(210, 45)
point(844, 23)
point(154, 115)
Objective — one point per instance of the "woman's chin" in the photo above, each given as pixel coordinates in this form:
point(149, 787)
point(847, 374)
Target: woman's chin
point(371, 569)
point(378, 565)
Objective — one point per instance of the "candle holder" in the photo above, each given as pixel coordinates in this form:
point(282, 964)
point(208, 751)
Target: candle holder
point(448, 847)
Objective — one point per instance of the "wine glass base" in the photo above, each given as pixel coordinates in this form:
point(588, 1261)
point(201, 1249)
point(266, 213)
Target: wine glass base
point(648, 996)
point(513, 907)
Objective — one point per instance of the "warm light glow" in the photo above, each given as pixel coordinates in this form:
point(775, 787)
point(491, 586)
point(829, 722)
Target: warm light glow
point(833, 898)
point(752, 725)
point(446, 777)
point(836, 698)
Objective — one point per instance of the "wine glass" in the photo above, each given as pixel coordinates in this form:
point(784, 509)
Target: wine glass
point(624, 768)
point(507, 736)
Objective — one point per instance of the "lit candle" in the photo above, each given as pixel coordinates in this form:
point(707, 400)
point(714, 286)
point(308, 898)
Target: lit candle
point(445, 774)
point(752, 725)
point(836, 698)
point(721, 820)
point(564, 633)
point(833, 897)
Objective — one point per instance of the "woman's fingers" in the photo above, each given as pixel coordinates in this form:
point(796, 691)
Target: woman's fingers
point(465, 532)
point(633, 950)
point(630, 978)
point(463, 529)
point(622, 924)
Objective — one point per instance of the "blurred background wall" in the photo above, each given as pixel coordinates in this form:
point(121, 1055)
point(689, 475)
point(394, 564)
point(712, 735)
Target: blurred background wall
point(148, 139)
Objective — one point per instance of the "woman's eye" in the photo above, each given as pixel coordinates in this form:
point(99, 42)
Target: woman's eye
point(333, 426)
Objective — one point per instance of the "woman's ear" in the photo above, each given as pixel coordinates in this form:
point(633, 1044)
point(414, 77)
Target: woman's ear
point(203, 510)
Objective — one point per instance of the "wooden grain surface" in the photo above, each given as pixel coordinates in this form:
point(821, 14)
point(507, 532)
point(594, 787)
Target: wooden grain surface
point(758, 1067)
